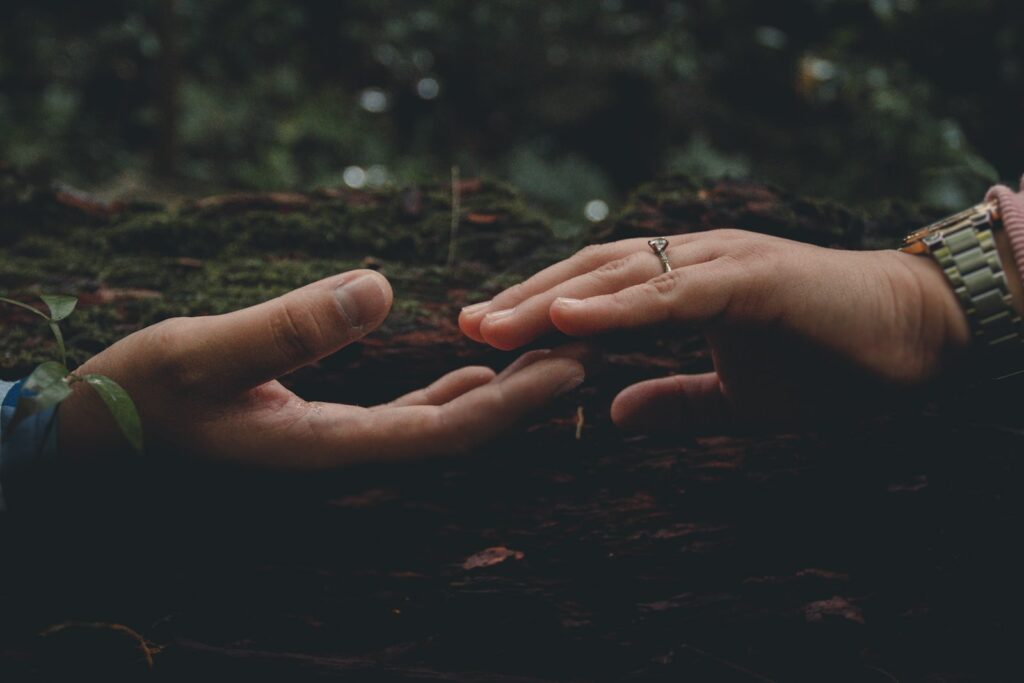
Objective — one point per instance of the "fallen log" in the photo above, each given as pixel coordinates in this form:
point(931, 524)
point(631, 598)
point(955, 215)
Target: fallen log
point(565, 550)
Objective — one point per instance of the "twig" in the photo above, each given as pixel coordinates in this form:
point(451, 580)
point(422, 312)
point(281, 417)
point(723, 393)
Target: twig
point(456, 210)
point(147, 648)
point(579, 422)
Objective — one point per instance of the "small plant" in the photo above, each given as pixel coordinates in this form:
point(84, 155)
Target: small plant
point(51, 382)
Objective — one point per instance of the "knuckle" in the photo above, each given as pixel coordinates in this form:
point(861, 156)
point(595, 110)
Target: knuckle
point(613, 268)
point(663, 284)
point(295, 332)
point(513, 293)
point(729, 233)
point(174, 361)
point(748, 252)
point(733, 259)
point(511, 296)
point(591, 253)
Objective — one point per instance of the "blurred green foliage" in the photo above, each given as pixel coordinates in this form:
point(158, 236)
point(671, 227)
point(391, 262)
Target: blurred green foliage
point(572, 100)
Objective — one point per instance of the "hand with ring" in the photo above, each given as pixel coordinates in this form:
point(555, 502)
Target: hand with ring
point(797, 332)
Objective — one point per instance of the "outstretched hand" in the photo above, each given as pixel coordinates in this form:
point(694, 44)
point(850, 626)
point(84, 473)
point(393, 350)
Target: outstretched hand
point(796, 331)
point(209, 385)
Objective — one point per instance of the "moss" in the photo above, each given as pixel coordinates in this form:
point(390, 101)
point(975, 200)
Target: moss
point(139, 265)
point(679, 204)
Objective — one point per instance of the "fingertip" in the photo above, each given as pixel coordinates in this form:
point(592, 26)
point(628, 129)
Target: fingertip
point(478, 374)
point(577, 350)
point(500, 332)
point(475, 311)
point(364, 298)
point(469, 323)
point(547, 373)
point(566, 316)
point(623, 411)
point(647, 407)
point(575, 377)
point(523, 361)
point(374, 276)
point(465, 379)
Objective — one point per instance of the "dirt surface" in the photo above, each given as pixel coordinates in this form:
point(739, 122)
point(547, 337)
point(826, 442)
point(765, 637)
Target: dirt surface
point(882, 551)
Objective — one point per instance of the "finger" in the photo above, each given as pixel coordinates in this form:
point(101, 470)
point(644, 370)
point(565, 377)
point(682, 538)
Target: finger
point(531, 318)
point(458, 382)
point(333, 435)
point(694, 295)
point(682, 403)
point(577, 351)
point(252, 346)
point(585, 260)
point(450, 386)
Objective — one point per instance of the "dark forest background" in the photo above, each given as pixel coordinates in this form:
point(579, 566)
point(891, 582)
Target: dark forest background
point(570, 101)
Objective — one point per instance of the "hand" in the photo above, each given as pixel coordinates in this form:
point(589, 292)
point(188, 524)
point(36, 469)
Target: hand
point(209, 385)
point(796, 331)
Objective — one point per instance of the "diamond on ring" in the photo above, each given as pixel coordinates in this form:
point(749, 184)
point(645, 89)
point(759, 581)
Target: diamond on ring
point(658, 246)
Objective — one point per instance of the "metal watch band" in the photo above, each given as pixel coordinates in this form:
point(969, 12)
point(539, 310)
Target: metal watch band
point(964, 247)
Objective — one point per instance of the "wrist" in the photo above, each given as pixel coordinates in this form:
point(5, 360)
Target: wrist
point(945, 332)
point(965, 248)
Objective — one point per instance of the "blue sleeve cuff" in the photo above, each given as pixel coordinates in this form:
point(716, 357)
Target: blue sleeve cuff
point(5, 388)
point(32, 439)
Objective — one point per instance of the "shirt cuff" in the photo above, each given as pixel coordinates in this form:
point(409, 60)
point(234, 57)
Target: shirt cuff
point(5, 389)
point(33, 438)
point(1011, 214)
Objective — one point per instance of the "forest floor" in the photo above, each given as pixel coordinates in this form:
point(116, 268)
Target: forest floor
point(880, 550)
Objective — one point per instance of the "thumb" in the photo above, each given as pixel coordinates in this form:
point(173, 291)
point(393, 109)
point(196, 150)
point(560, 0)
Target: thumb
point(257, 344)
point(690, 403)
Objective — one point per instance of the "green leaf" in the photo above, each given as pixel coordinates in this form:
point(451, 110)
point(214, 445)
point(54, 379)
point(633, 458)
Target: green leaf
point(60, 306)
point(44, 388)
point(121, 407)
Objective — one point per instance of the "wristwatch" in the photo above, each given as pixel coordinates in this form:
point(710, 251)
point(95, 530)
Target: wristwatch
point(965, 248)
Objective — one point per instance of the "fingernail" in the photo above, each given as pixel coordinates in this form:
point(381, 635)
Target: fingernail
point(499, 315)
point(571, 383)
point(475, 308)
point(565, 301)
point(360, 300)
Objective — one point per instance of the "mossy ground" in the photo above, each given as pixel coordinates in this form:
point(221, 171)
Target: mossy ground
point(144, 264)
point(831, 553)
point(135, 265)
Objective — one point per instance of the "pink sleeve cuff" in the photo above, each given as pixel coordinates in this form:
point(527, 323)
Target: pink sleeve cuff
point(1011, 211)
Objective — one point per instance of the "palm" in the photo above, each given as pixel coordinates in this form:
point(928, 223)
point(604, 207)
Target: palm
point(208, 385)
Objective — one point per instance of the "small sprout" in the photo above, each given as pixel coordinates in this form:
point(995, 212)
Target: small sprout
point(60, 306)
point(45, 387)
point(453, 230)
point(50, 383)
point(121, 407)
